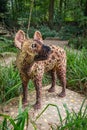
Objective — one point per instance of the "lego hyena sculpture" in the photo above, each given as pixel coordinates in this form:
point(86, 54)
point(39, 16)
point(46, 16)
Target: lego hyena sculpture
point(35, 59)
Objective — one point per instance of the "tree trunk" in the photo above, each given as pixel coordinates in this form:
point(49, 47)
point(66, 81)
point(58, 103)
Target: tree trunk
point(60, 5)
point(85, 11)
point(51, 12)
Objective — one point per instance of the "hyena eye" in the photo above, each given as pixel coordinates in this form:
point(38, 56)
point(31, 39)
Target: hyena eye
point(33, 45)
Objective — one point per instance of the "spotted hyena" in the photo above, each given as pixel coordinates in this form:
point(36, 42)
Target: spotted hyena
point(35, 59)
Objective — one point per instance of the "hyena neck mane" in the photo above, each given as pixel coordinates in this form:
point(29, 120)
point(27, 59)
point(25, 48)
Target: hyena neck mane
point(25, 59)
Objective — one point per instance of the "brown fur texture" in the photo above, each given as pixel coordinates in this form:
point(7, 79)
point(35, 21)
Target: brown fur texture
point(34, 69)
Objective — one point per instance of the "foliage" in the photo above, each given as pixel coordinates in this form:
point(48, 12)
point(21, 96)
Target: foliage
point(68, 31)
point(77, 70)
point(72, 120)
point(78, 42)
point(45, 31)
point(18, 123)
point(9, 83)
point(6, 45)
point(56, 12)
point(3, 7)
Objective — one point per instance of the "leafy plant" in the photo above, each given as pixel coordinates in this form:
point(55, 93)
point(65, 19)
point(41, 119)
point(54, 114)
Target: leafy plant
point(73, 120)
point(9, 83)
point(78, 42)
point(68, 31)
point(45, 31)
point(77, 70)
point(18, 123)
point(7, 45)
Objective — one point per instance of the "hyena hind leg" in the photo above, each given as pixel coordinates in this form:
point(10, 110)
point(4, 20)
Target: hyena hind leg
point(53, 76)
point(61, 74)
point(38, 87)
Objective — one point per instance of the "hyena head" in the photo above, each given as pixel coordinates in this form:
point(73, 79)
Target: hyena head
point(33, 47)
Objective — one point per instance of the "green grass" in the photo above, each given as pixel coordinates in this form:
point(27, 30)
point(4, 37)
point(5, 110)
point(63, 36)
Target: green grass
point(9, 83)
point(72, 121)
point(7, 45)
point(78, 42)
point(77, 70)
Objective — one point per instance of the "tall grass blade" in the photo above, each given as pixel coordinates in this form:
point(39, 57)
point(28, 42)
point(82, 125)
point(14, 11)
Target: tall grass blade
point(60, 117)
point(20, 106)
point(80, 111)
point(12, 122)
point(13, 88)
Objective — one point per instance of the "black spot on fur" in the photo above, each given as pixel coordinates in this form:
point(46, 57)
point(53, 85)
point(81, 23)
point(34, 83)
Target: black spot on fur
point(53, 57)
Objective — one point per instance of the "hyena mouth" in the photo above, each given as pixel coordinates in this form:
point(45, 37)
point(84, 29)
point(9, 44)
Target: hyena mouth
point(43, 54)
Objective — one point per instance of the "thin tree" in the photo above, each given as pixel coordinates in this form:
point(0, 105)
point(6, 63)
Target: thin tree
point(51, 12)
point(32, 2)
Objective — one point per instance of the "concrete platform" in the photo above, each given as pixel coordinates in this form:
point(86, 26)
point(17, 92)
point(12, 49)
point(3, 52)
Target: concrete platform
point(73, 100)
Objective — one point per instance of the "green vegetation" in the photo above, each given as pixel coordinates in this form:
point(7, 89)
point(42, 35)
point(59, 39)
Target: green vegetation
point(78, 42)
point(45, 31)
point(9, 83)
point(77, 70)
point(73, 120)
point(6, 45)
point(60, 15)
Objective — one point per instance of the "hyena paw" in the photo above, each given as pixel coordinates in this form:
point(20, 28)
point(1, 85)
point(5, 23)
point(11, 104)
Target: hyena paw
point(37, 106)
point(62, 94)
point(52, 89)
point(24, 102)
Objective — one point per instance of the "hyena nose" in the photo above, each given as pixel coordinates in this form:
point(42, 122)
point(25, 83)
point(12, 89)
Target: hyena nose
point(43, 54)
point(46, 49)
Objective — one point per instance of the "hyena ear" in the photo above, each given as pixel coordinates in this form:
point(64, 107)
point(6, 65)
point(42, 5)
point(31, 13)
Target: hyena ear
point(19, 38)
point(38, 36)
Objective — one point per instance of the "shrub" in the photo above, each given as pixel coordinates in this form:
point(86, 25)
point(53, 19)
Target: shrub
point(78, 42)
point(7, 45)
point(68, 31)
point(45, 31)
point(73, 120)
point(77, 70)
point(9, 83)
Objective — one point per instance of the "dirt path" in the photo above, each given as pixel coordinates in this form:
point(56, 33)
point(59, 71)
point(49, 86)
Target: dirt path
point(7, 58)
point(57, 43)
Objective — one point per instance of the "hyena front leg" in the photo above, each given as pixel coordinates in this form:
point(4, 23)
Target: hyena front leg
point(53, 75)
point(61, 74)
point(38, 87)
point(25, 89)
